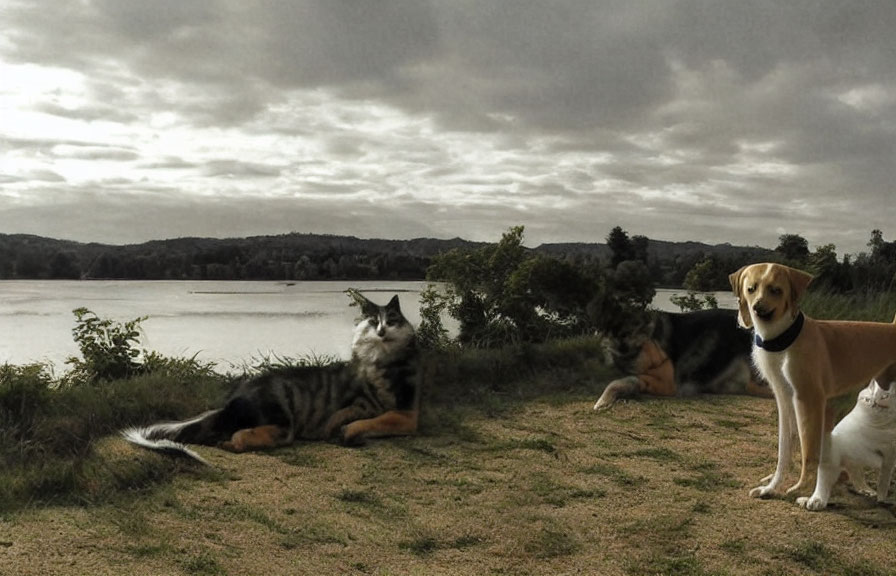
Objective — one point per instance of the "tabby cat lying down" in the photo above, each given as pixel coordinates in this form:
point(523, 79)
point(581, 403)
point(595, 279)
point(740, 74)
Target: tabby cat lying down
point(374, 394)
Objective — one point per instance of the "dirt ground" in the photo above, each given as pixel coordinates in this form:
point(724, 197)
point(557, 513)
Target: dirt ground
point(547, 487)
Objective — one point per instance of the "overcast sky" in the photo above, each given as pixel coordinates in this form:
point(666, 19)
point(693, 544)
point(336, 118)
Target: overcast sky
point(128, 120)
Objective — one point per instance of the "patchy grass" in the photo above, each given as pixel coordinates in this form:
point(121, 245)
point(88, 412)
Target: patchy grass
point(509, 475)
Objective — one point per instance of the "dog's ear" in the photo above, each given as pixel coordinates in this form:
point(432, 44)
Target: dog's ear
point(799, 282)
point(743, 309)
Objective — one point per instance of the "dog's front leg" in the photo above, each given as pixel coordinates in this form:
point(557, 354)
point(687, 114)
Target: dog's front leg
point(810, 410)
point(621, 388)
point(784, 401)
point(828, 473)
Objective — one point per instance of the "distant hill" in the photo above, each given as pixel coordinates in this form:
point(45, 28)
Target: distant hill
point(298, 257)
point(282, 257)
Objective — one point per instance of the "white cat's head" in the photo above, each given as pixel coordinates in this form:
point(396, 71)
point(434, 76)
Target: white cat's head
point(875, 396)
point(381, 331)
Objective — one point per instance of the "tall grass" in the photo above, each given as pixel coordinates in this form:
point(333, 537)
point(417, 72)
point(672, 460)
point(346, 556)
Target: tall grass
point(48, 433)
point(864, 306)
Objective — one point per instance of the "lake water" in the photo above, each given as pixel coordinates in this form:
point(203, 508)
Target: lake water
point(227, 323)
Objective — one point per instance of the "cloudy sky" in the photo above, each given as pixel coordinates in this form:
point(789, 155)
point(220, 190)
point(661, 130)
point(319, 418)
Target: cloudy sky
point(718, 121)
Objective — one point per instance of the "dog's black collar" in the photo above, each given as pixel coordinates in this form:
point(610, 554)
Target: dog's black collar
point(783, 341)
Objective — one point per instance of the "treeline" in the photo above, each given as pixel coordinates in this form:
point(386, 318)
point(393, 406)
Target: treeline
point(693, 265)
point(317, 257)
point(872, 271)
point(283, 257)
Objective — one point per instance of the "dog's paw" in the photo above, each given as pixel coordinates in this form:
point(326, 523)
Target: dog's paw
point(603, 404)
point(762, 492)
point(812, 503)
point(798, 487)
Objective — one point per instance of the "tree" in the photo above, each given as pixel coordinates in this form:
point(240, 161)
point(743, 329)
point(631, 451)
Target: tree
point(620, 245)
point(639, 245)
point(828, 271)
point(794, 248)
point(504, 293)
point(703, 277)
point(876, 242)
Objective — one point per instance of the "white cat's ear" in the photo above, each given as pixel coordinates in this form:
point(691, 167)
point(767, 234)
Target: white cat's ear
point(892, 388)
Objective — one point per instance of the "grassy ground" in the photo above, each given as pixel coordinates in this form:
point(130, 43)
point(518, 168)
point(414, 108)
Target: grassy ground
point(520, 477)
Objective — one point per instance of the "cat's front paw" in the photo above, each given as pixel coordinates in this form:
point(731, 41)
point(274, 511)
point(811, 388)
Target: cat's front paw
point(349, 437)
point(812, 503)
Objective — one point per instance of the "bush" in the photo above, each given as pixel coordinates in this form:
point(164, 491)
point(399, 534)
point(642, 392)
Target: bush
point(109, 350)
point(112, 351)
point(692, 302)
point(504, 294)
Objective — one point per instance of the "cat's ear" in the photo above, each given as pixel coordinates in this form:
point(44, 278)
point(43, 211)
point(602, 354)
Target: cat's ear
point(393, 304)
point(367, 307)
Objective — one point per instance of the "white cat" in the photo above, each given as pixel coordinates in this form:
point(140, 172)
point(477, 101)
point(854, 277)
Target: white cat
point(865, 437)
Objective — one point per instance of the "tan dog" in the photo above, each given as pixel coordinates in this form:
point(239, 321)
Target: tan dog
point(805, 361)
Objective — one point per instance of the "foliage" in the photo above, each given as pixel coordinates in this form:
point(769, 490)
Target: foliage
point(692, 301)
point(504, 293)
point(111, 350)
point(793, 248)
point(431, 332)
point(108, 349)
point(624, 248)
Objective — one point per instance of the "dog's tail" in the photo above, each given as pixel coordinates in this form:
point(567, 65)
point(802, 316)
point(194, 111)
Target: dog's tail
point(172, 437)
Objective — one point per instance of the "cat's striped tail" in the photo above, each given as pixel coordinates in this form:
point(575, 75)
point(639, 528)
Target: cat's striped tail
point(172, 437)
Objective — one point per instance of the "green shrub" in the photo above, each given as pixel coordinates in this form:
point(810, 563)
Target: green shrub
point(109, 350)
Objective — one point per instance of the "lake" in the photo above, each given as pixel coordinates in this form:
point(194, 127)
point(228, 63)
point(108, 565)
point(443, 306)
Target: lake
point(227, 323)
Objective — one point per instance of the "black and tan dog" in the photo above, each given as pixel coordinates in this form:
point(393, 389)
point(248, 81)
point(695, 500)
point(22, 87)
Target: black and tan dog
point(682, 354)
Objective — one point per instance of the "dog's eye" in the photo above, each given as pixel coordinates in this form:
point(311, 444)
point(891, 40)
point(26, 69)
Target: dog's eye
point(751, 288)
point(775, 290)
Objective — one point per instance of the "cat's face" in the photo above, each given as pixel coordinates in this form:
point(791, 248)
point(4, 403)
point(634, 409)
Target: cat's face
point(878, 398)
point(381, 328)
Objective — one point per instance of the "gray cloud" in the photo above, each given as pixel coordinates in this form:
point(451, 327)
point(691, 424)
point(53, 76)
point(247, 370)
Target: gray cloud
point(713, 121)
